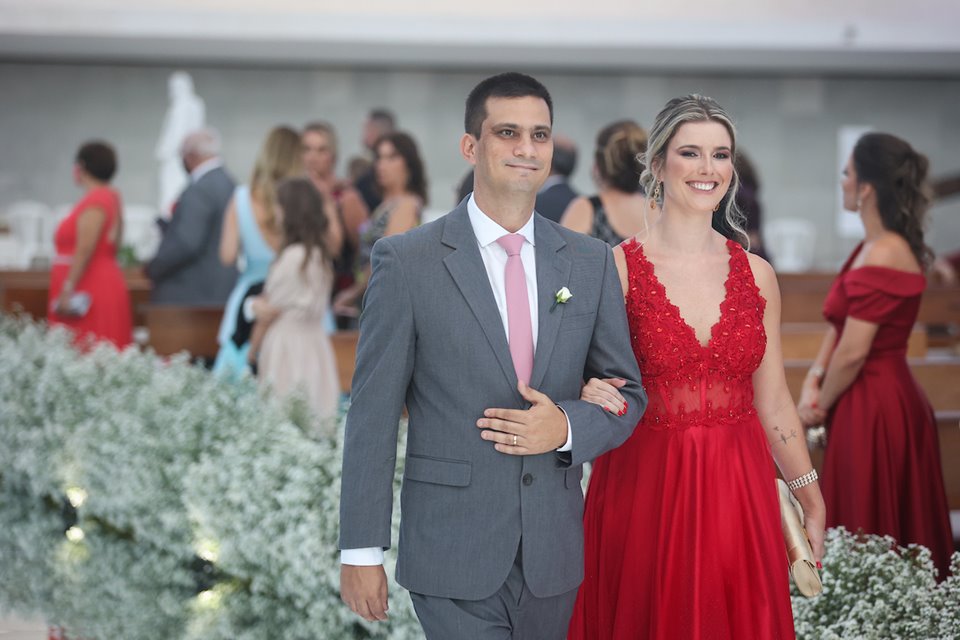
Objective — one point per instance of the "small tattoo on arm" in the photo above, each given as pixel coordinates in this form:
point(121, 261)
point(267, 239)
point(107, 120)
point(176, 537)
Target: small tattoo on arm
point(784, 437)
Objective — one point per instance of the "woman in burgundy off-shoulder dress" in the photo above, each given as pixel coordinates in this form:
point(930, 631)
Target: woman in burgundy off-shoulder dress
point(682, 523)
point(881, 472)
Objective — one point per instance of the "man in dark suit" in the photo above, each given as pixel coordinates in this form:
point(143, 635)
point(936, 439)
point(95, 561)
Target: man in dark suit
point(556, 193)
point(187, 269)
point(379, 122)
point(484, 324)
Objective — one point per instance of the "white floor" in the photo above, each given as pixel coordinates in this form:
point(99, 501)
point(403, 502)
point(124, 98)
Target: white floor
point(16, 629)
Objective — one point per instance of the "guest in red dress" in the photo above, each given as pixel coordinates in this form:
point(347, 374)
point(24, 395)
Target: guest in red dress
point(881, 471)
point(682, 522)
point(88, 293)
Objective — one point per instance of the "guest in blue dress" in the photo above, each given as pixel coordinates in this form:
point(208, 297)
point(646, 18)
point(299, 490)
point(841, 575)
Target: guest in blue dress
point(250, 239)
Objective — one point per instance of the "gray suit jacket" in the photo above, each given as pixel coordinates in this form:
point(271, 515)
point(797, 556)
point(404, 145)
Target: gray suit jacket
point(187, 268)
point(431, 337)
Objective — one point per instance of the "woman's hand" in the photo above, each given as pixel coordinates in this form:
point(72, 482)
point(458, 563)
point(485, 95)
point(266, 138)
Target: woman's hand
point(606, 394)
point(61, 306)
point(811, 415)
point(814, 521)
point(343, 304)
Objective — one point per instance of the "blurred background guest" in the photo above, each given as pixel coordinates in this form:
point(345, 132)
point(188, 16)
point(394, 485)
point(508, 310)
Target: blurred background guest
point(617, 211)
point(881, 470)
point(251, 232)
point(379, 123)
point(465, 187)
point(748, 201)
point(295, 353)
point(556, 193)
point(187, 268)
point(340, 198)
point(402, 180)
point(88, 293)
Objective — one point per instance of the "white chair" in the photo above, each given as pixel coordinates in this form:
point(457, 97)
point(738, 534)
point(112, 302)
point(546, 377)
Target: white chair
point(140, 230)
point(790, 242)
point(27, 219)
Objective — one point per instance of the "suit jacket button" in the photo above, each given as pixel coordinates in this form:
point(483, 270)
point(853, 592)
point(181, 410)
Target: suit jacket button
point(527, 479)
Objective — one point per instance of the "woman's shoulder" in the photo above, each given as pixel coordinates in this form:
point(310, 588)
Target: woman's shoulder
point(892, 251)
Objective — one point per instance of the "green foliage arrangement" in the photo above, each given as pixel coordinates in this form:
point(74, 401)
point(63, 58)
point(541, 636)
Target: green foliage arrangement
point(142, 497)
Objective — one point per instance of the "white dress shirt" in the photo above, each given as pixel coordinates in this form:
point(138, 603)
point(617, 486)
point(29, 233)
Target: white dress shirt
point(495, 262)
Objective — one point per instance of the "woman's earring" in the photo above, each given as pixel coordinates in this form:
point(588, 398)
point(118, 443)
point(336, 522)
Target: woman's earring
point(656, 192)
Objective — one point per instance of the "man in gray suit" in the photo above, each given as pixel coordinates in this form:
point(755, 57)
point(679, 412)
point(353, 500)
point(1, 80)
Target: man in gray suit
point(488, 352)
point(187, 269)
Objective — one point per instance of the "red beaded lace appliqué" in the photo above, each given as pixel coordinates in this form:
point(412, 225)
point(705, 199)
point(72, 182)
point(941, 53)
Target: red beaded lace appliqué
point(688, 383)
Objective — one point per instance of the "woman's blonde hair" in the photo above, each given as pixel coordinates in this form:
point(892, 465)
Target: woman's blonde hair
point(279, 158)
point(679, 111)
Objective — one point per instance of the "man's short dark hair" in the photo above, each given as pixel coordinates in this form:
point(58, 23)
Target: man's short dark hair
point(98, 159)
point(564, 160)
point(383, 117)
point(504, 85)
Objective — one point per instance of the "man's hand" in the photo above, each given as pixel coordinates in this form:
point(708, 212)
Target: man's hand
point(525, 432)
point(364, 590)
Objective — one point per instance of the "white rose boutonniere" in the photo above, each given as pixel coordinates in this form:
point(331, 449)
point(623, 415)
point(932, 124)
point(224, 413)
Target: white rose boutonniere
point(561, 297)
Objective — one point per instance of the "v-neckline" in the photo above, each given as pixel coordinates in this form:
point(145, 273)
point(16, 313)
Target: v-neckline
point(676, 310)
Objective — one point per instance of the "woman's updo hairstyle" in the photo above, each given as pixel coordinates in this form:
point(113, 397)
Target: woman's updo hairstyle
point(898, 175)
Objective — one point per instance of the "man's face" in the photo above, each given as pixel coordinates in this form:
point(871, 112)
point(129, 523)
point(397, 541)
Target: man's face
point(372, 131)
point(515, 147)
point(318, 159)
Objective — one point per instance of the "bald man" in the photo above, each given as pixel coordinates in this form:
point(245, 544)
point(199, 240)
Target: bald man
point(187, 269)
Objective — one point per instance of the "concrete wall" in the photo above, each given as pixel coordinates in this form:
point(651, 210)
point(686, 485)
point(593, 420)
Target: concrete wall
point(788, 124)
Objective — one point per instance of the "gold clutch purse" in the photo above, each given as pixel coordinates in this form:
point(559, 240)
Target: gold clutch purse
point(803, 567)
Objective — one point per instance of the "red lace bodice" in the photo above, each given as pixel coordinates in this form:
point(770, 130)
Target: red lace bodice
point(688, 383)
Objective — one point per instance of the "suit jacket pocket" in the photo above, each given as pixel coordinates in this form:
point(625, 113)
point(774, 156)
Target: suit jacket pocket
point(578, 322)
point(572, 477)
point(454, 473)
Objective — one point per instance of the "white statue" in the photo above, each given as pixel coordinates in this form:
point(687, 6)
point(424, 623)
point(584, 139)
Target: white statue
point(186, 113)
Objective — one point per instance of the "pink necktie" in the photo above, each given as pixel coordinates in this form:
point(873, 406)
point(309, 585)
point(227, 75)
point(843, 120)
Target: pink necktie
point(519, 327)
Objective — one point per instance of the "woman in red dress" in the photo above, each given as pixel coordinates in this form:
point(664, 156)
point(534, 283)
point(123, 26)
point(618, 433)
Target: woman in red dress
point(682, 522)
point(881, 472)
point(88, 293)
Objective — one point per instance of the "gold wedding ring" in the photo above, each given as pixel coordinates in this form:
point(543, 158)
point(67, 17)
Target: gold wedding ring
point(514, 439)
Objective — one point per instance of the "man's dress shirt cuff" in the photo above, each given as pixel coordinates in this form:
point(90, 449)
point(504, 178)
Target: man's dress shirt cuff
point(369, 557)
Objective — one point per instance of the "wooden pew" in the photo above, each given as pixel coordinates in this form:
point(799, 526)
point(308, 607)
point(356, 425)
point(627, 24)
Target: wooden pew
point(940, 380)
point(28, 292)
point(801, 340)
point(345, 351)
point(948, 428)
point(175, 328)
point(803, 295)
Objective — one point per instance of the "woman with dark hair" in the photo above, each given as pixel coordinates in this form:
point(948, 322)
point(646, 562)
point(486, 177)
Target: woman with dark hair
point(88, 293)
point(289, 344)
point(617, 211)
point(881, 471)
point(402, 181)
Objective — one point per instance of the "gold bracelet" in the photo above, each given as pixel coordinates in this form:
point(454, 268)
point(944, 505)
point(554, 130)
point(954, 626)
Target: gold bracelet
point(808, 478)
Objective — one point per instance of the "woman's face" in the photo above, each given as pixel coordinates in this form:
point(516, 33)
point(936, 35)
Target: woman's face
point(391, 168)
point(318, 158)
point(850, 187)
point(698, 167)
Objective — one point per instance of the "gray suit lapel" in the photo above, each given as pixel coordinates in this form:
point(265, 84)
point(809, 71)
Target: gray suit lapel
point(553, 272)
point(466, 267)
